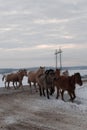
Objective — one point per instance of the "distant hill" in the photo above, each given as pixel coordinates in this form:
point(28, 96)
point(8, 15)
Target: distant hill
point(75, 67)
point(10, 70)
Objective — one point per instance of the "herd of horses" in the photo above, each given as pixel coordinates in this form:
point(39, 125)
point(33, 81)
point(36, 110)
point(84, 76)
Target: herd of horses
point(47, 81)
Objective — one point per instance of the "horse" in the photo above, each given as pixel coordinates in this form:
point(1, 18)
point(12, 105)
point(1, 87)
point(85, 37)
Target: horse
point(45, 82)
point(57, 73)
point(6, 78)
point(14, 77)
point(67, 83)
point(33, 76)
point(65, 73)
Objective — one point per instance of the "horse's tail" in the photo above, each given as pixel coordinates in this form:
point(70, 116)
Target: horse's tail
point(3, 77)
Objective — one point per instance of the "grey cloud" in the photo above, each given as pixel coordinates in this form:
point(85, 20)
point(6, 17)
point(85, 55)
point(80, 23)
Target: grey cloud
point(28, 23)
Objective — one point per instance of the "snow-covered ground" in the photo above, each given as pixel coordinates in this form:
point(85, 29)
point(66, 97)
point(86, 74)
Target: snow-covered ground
point(26, 110)
point(81, 93)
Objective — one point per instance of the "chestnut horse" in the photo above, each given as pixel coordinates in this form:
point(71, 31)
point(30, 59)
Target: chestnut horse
point(67, 83)
point(15, 77)
point(33, 76)
point(57, 73)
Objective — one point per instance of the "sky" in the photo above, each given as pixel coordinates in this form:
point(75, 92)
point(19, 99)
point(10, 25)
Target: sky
point(32, 30)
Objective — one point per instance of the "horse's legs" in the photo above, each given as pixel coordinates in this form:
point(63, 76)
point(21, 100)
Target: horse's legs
point(43, 91)
point(70, 94)
point(35, 86)
point(14, 85)
point(29, 82)
point(62, 94)
point(47, 92)
point(73, 93)
point(5, 84)
point(20, 85)
point(57, 92)
point(8, 84)
point(30, 86)
point(40, 90)
point(52, 90)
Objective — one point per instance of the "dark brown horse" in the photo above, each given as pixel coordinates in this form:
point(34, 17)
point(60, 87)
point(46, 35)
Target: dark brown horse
point(67, 83)
point(57, 73)
point(15, 77)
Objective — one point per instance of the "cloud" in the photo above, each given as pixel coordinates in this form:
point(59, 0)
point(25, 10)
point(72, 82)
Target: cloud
point(50, 21)
point(15, 12)
point(35, 29)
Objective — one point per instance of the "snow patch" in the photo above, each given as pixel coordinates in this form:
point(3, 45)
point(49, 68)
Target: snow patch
point(10, 120)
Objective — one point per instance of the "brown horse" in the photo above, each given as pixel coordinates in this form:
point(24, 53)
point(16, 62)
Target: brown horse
point(15, 77)
point(33, 76)
point(67, 83)
point(57, 73)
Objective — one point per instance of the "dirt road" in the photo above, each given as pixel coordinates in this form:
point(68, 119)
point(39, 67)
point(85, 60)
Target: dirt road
point(23, 110)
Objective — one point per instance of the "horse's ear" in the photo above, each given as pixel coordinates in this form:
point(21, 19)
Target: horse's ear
point(42, 67)
point(46, 72)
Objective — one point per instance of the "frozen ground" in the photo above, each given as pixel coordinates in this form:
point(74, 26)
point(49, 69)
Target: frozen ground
point(22, 110)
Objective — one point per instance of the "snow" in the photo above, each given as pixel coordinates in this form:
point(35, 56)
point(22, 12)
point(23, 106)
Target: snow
point(80, 103)
point(10, 120)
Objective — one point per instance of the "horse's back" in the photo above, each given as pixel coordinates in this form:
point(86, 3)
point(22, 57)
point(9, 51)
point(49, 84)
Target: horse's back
point(31, 76)
point(11, 77)
point(62, 82)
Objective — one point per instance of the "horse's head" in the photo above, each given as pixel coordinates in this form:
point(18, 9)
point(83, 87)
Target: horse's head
point(41, 70)
point(57, 73)
point(65, 73)
point(78, 79)
point(23, 72)
point(49, 77)
point(50, 74)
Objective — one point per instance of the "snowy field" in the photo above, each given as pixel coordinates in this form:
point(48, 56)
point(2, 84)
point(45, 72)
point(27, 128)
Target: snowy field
point(25, 110)
point(81, 92)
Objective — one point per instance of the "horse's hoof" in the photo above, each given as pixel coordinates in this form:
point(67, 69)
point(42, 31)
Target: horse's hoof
point(63, 100)
point(56, 97)
point(71, 100)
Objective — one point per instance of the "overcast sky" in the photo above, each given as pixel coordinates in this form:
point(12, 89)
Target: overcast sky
point(31, 31)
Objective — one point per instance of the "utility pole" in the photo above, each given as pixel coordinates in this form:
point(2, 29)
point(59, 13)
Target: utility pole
point(56, 53)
